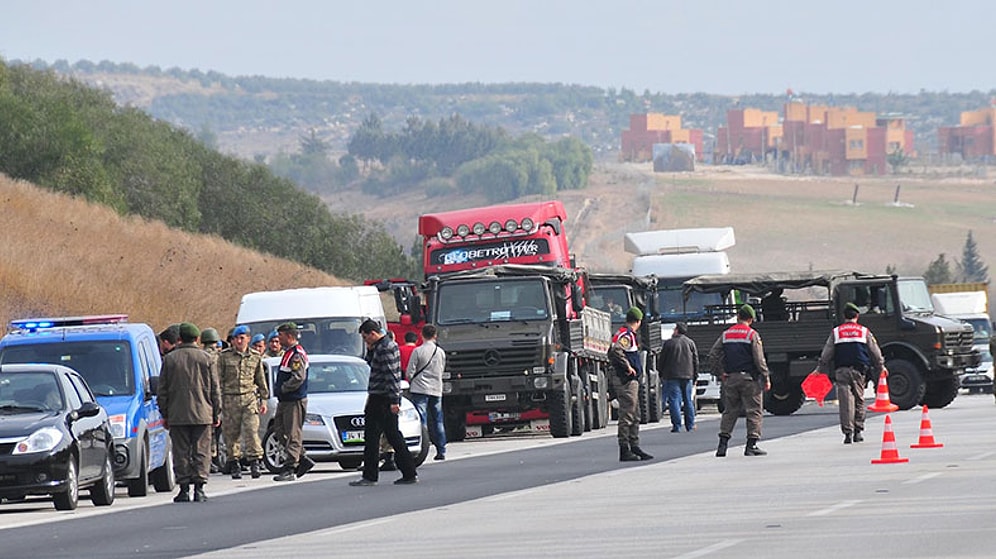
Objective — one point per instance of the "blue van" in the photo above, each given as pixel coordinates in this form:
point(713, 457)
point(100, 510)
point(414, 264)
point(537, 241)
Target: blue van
point(120, 362)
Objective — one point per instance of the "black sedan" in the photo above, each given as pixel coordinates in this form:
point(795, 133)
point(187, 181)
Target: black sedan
point(54, 437)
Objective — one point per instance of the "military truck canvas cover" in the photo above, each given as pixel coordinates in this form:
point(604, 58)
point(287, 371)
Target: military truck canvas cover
point(759, 284)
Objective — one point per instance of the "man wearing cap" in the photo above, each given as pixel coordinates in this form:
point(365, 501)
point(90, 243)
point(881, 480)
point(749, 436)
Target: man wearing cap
point(243, 394)
point(291, 389)
point(679, 364)
point(737, 358)
point(382, 408)
point(190, 403)
point(851, 352)
point(624, 355)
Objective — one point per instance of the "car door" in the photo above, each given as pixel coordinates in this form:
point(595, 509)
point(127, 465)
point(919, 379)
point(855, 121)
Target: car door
point(86, 430)
point(150, 363)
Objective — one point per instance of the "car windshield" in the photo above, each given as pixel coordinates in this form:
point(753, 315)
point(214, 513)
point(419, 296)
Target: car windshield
point(333, 336)
point(105, 365)
point(29, 392)
point(492, 301)
point(328, 377)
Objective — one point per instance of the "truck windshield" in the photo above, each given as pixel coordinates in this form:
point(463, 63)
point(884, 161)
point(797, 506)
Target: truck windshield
point(334, 336)
point(672, 307)
point(491, 301)
point(613, 300)
point(914, 296)
point(106, 365)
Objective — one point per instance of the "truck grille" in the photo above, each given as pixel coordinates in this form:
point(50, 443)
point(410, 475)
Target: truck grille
point(963, 342)
point(514, 358)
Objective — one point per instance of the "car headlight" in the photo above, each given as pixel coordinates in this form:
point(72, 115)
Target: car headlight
point(409, 414)
point(42, 440)
point(119, 425)
point(313, 419)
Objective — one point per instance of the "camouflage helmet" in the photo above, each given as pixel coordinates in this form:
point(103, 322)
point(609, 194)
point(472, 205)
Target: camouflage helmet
point(209, 336)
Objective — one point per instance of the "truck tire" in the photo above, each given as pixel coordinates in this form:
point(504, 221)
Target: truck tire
point(577, 407)
point(600, 406)
point(784, 398)
point(906, 384)
point(643, 398)
point(588, 404)
point(455, 423)
point(560, 412)
point(941, 393)
point(655, 402)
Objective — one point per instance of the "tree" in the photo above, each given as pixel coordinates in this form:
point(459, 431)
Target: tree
point(938, 271)
point(897, 159)
point(971, 267)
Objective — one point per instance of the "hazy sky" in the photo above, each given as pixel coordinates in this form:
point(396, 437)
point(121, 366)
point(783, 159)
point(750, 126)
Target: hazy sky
point(713, 46)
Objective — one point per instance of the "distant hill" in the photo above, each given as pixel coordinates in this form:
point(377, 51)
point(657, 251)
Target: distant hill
point(255, 116)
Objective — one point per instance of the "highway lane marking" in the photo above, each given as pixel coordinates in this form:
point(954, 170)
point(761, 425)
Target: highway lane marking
point(509, 495)
point(924, 477)
point(708, 550)
point(355, 526)
point(833, 508)
point(982, 456)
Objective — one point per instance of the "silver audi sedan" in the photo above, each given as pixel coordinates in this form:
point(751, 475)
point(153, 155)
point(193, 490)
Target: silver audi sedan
point(333, 426)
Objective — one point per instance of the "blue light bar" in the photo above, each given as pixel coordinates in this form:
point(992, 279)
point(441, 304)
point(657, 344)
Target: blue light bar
point(33, 324)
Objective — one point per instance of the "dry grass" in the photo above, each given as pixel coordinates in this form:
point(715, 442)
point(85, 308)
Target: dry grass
point(63, 256)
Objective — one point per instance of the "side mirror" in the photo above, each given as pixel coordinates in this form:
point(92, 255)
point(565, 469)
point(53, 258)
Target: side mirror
point(577, 300)
point(88, 409)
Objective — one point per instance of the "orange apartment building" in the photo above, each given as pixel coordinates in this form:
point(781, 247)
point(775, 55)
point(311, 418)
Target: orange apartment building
point(648, 129)
point(749, 134)
point(974, 138)
point(841, 140)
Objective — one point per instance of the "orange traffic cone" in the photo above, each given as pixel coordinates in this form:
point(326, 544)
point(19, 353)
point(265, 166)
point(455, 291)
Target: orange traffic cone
point(882, 402)
point(890, 454)
point(926, 433)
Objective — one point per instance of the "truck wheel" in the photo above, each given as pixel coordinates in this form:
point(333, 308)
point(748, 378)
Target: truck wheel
point(139, 487)
point(163, 477)
point(577, 407)
point(784, 399)
point(455, 423)
point(600, 404)
point(643, 395)
point(560, 412)
point(941, 393)
point(655, 403)
point(906, 385)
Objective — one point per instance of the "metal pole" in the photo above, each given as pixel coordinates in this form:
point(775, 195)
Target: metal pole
point(895, 199)
point(854, 197)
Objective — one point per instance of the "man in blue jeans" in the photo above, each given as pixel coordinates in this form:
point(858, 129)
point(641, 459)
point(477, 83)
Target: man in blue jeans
point(679, 365)
point(425, 374)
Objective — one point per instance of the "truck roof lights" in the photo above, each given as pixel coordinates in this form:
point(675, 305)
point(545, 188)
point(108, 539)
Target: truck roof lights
point(446, 233)
point(511, 225)
point(479, 229)
point(494, 227)
point(34, 324)
point(463, 230)
point(527, 224)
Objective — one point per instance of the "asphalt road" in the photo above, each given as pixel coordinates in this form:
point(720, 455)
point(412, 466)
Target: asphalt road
point(533, 496)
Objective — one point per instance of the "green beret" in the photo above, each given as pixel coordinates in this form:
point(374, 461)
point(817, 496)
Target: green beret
point(634, 314)
point(747, 311)
point(188, 332)
point(853, 307)
point(288, 328)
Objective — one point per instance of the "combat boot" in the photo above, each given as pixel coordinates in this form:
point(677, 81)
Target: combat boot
point(752, 449)
point(234, 467)
point(847, 438)
point(254, 469)
point(184, 495)
point(723, 443)
point(199, 496)
point(639, 452)
point(858, 437)
point(626, 455)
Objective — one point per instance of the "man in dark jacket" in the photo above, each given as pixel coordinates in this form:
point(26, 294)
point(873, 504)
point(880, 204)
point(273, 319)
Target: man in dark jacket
point(624, 355)
point(382, 408)
point(291, 389)
point(190, 402)
point(679, 364)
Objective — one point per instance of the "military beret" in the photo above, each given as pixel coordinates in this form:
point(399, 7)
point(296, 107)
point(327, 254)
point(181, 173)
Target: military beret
point(288, 328)
point(240, 330)
point(747, 311)
point(852, 307)
point(188, 332)
point(257, 338)
point(271, 335)
point(634, 314)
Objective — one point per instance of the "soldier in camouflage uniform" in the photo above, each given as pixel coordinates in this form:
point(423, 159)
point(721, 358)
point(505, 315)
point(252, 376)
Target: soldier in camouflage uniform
point(244, 393)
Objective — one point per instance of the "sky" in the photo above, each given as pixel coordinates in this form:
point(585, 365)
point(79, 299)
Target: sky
point(725, 47)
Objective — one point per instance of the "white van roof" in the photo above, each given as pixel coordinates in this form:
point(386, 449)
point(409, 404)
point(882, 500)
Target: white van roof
point(679, 241)
point(681, 265)
point(313, 302)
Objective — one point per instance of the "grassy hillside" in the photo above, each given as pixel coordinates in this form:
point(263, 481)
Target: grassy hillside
point(63, 256)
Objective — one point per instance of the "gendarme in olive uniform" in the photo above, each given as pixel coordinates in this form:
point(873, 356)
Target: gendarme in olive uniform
point(243, 388)
point(737, 358)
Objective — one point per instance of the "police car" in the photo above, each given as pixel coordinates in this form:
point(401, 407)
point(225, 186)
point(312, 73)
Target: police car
point(120, 362)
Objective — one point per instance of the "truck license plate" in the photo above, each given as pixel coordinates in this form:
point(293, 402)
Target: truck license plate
point(494, 397)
